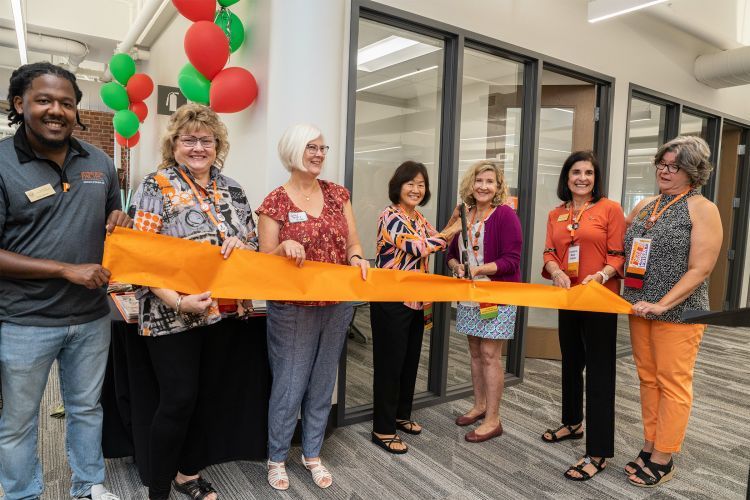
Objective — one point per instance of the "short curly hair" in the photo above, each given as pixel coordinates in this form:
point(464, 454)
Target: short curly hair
point(466, 187)
point(189, 118)
point(692, 156)
point(20, 81)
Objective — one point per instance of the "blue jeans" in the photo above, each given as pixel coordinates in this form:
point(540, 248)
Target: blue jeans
point(26, 356)
point(304, 346)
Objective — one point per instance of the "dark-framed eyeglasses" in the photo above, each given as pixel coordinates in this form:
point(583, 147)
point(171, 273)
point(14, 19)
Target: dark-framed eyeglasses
point(190, 141)
point(314, 148)
point(672, 168)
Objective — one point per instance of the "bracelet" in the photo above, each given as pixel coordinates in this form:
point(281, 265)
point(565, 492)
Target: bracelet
point(179, 302)
point(552, 275)
point(355, 255)
point(605, 276)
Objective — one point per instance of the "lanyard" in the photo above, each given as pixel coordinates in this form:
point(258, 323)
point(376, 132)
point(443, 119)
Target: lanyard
point(574, 220)
point(656, 214)
point(474, 235)
point(218, 220)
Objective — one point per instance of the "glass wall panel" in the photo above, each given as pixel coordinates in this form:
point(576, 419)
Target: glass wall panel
point(492, 95)
point(694, 125)
point(646, 133)
point(567, 124)
point(398, 113)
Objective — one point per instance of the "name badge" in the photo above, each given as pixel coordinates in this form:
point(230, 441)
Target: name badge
point(635, 270)
point(561, 218)
point(574, 257)
point(39, 193)
point(297, 217)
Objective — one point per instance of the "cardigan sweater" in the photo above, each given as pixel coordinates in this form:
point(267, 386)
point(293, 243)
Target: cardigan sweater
point(502, 244)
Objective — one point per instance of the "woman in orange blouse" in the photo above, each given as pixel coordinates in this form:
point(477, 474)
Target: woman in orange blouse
point(585, 243)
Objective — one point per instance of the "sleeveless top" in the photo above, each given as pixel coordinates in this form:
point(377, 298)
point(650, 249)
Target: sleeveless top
point(668, 257)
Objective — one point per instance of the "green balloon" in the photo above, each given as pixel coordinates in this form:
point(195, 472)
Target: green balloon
point(232, 27)
point(122, 67)
point(126, 123)
point(114, 96)
point(227, 3)
point(194, 85)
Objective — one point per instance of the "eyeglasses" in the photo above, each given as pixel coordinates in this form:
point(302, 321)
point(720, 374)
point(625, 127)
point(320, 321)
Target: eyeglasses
point(314, 148)
point(672, 168)
point(190, 141)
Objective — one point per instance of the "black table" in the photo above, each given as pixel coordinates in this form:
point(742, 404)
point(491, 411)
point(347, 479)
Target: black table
point(233, 427)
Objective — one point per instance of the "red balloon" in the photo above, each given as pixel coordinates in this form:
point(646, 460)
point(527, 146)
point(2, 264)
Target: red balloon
point(139, 87)
point(127, 143)
point(140, 109)
point(233, 90)
point(207, 48)
point(196, 10)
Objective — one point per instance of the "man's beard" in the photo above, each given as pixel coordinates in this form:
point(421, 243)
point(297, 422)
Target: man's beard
point(48, 143)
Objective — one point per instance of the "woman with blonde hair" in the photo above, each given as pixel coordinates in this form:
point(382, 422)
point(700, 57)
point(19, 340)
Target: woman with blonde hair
point(305, 219)
point(494, 254)
point(186, 334)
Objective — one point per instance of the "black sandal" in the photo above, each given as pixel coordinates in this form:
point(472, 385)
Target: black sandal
point(584, 475)
point(408, 426)
point(572, 429)
point(645, 456)
point(197, 489)
point(661, 474)
point(387, 442)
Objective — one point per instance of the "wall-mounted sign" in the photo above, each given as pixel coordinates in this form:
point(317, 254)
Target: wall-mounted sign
point(169, 99)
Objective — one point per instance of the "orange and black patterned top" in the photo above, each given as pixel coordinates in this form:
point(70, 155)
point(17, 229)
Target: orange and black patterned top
point(600, 234)
point(324, 237)
point(165, 203)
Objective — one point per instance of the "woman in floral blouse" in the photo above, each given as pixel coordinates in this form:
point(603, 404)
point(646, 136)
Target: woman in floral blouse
point(305, 219)
point(188, 197)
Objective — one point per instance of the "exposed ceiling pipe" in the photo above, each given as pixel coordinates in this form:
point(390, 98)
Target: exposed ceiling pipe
point(144, 18)
point(724, 69)
point(75, 51)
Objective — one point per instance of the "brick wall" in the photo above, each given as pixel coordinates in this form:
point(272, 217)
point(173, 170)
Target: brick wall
point(100, 132)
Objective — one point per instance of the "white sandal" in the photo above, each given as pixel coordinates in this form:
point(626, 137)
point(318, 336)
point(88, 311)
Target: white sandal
point(319, 472)
point(277, 474)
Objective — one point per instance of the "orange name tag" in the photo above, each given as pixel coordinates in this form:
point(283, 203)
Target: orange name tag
point(635, 270)
point(574, 257)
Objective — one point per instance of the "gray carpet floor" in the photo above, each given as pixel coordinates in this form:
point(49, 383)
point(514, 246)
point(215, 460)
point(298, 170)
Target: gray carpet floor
point(440, 464)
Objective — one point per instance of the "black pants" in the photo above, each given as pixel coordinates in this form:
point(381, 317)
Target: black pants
point(178, 361)
point(397, 333)
point(588, 340)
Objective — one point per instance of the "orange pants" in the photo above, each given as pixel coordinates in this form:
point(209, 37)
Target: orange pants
point(665, 357)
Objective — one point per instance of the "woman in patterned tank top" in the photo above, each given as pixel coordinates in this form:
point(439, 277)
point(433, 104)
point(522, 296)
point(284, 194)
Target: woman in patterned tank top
point(671, 247)
point(405, 241)
point(305, 219)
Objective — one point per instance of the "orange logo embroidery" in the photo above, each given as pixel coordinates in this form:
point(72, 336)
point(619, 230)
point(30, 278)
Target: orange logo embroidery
point(92, 177)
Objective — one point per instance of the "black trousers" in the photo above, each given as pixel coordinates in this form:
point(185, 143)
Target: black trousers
point(179, 361)
point(397, 333)
point(588, 340)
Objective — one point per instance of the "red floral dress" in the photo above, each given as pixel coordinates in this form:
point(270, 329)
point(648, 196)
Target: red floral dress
point(324, 237)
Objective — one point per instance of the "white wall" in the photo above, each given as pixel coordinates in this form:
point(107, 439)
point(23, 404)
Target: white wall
point(296, 51)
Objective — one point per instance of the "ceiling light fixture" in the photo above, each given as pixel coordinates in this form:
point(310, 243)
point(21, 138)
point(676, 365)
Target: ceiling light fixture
point(20, 30)
point(390, 51)
point(599, 10)
point(397, 78)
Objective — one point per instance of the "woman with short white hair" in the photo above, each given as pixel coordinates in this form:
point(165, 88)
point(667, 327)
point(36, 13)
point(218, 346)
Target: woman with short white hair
point(305, 219)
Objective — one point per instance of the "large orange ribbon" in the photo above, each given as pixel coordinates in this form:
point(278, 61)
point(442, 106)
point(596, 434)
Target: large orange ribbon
point(160, 261)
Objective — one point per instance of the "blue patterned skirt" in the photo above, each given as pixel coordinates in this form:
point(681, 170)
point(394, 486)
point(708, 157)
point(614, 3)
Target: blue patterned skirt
point(502, 327)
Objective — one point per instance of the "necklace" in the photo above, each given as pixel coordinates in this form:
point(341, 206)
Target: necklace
point(574, 217)
point(656, 212)
point(475, 235)
point(307, 196)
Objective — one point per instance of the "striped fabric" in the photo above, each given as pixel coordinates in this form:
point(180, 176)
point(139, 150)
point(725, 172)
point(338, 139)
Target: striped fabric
point(405, 243)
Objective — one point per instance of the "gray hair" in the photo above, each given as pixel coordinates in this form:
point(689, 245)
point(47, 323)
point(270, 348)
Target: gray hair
point(692, 156)
point(293, 143)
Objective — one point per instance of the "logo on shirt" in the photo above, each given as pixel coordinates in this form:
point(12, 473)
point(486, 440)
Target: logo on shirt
point(92, 177)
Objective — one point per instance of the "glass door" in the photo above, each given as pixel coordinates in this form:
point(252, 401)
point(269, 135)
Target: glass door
point(399, 100)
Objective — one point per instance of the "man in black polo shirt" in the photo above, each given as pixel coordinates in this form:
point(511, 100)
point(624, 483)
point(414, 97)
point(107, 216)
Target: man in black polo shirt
point(58, 195)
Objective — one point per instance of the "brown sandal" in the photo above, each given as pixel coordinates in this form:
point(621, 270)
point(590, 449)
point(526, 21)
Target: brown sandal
point(197, 489)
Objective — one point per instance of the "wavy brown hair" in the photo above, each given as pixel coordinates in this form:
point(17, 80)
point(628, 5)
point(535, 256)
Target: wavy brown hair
point(187, 119)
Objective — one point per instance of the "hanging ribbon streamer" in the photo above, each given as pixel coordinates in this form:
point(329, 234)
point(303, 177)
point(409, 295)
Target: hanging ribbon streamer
point(155, 260)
